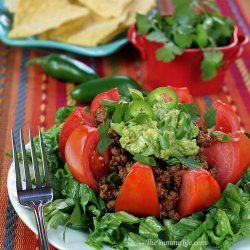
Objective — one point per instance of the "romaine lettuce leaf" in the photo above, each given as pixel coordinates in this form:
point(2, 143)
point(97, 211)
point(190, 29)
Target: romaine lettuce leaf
point(226, 222)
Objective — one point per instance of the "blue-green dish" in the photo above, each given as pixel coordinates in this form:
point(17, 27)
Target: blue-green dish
point(99, 51)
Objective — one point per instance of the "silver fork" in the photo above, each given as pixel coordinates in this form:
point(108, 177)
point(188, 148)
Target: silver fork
point(37, 197)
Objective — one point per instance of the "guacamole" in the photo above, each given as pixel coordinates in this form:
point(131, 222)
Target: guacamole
point(145, 137)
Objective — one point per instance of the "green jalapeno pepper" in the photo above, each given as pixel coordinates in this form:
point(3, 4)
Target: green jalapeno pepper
point(158, 95)
point(183, 126)
point(136, 95)
point(64, 68)
point(87, 91)
point(136, 108)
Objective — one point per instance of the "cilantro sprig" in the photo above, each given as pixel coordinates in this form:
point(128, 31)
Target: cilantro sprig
point(191, 162)
point(190, 109)
point(105, 140)
point(185, 29)
point(209, 117)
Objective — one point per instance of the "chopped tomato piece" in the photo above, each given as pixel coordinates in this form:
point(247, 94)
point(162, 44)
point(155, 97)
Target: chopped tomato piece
point(230, 158)
point(138, 194)
point(226, 119)
point(199, 190)
point(98, 162)
point(74, 155)
point(111, 95)
point(78, 117)
point(183, 94)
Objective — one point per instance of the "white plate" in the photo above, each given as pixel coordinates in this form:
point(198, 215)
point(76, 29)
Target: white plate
point(75, 240)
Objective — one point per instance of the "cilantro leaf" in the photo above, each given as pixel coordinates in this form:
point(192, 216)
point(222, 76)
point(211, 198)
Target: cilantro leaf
point(105, 140)
point(143, 24)
point(184, 12)
point(120, 110)
point(220, 136)
point(168, 52)
point(63, 112)
point(157, 36)
point(145, 159)
point(190, 162)
point(190, 109)
point(212, 60)
point(209, 117)
point(183, 40)
point(201, 36)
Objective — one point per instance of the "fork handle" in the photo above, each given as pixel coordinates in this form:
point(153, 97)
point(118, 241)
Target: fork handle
point(38, 210)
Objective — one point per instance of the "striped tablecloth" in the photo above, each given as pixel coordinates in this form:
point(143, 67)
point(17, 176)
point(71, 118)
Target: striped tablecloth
point(29, 98)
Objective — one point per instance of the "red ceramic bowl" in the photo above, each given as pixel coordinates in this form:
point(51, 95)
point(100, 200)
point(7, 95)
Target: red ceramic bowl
point(184, 70)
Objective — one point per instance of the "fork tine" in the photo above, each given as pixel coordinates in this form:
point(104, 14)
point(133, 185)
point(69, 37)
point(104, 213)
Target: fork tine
point(34, 161)
point(16, 163)
point(25, 163)
point(44, 160)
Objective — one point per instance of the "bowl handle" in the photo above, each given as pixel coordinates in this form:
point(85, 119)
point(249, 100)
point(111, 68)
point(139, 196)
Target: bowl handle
point(243, 46)
point(136, 40)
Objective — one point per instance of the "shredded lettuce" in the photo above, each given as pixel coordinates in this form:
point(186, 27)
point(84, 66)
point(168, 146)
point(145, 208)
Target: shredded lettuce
point(225, 223)
point(77, 206)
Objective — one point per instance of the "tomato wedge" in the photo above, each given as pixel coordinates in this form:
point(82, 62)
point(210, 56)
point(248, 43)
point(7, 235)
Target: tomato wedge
point(199, 190)
point(138, 194)
point(78, 117)
point(183, 94)
point(97, 162)
point(74, 156)
point(230, 158)
point(226, 119)
point(112, 95)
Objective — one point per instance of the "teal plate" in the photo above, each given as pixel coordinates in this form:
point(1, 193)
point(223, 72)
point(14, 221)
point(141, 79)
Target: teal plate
point(99, 51)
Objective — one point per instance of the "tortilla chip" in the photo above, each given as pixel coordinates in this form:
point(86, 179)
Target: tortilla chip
point(94, 31)
point(64, 31)
point(11, 5)
point(106, 9)
point(139, 6)
point(36, 16)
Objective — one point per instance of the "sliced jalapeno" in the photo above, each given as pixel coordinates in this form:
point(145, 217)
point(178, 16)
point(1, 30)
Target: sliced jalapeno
point(161, 94)
point(136, 94)
point(136, 108)
point(183, 125)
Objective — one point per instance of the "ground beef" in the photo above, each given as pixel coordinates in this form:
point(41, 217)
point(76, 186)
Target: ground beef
point(108, 192)
point(114, 136)
point(121, 163)
point(202, 159)
point(203, 139)
point(100, 115)
point(168, 184)
point(167, 178)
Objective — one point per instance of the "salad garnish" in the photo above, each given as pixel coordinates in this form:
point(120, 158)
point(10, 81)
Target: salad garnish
point(179, 182)
point(209, 117)
point(194, 24)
